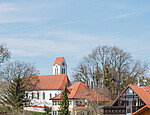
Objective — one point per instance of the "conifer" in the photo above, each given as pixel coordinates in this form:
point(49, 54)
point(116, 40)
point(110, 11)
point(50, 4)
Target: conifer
point(64, 104)
point(15, 95)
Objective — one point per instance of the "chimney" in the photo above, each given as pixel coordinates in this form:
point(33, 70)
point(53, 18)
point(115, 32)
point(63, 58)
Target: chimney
point(91, 84)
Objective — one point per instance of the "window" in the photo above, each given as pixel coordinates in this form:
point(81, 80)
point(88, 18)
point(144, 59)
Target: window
point(44, 95)
point(129, 91)
point(55, 113)
point(50, 95)
point(129, 101)
point(70, 102)
point(57, 70)
point(122, 101)
point(55, 94)
point(55, 102)
point(32, 95)
point(64, 71)
point(37, 95)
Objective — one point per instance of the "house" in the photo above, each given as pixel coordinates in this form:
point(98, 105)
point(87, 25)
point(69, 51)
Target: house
point(49, 86)
point(134, 99)
point(79, 96)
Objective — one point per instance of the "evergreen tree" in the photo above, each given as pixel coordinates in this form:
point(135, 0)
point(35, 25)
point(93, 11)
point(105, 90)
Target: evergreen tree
point(15, 94)
point(64, 104)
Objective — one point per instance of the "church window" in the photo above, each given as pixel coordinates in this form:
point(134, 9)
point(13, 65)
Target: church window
point(44, 95)
point(50, 95)
point(55, 94)
point(64, 71)
point(37, 95)
point(57, 70)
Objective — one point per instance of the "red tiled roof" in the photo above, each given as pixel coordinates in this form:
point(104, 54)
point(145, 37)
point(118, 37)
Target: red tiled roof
point(143, 93)
point(58, 60)
point(53, 81)
point(138, 112)
point(79, 90)
point(80, 107)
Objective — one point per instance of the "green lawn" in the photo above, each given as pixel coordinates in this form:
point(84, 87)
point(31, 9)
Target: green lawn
point(37, 113)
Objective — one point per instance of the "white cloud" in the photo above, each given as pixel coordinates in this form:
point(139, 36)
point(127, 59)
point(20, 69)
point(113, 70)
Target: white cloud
point(12, 19)
point(18, 12)
point(7, 7)
point(67, 43)
point(122, 16)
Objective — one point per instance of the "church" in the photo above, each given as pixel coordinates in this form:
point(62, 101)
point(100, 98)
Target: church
point(49, 86)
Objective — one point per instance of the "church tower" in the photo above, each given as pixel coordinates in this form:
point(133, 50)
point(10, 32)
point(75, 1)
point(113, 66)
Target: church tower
point(59, 66)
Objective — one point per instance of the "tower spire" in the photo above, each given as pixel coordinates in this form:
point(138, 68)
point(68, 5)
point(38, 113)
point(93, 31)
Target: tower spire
point(59, 66)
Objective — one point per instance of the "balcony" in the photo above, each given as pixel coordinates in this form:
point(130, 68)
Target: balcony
point(114, 110)
point(120, 109)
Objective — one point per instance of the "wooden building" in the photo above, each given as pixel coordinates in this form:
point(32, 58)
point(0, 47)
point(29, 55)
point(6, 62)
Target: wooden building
point(132, 99)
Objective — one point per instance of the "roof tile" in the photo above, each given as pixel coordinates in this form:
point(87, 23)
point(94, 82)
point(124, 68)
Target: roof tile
point(58, 61)
point(79, 90)
point(53, 81)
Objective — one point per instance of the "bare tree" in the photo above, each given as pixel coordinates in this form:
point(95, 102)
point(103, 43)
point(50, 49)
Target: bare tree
point(27, 72)
point(4, 53)
point(112, 61)
point(19, 77)
point(4, 56)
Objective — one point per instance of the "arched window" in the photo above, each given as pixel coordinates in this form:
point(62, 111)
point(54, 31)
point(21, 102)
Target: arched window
point(55, 94)
point(37, 95)
point(57, 70)
point(44, 95)
point(64, 71)
point(50, 95)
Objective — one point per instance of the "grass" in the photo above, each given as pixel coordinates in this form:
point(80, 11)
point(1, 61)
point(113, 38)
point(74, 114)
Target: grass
point(37, 113)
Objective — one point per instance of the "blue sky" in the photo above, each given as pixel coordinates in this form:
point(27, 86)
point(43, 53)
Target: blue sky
point(38, 31)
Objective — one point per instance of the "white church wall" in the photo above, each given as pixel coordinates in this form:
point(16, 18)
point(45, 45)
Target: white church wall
point(41, 101)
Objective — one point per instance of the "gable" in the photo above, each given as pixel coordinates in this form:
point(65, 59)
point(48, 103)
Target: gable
point(136, 91)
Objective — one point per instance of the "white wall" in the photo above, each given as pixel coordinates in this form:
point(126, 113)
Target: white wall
point(71, 107)
point(41, 101)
